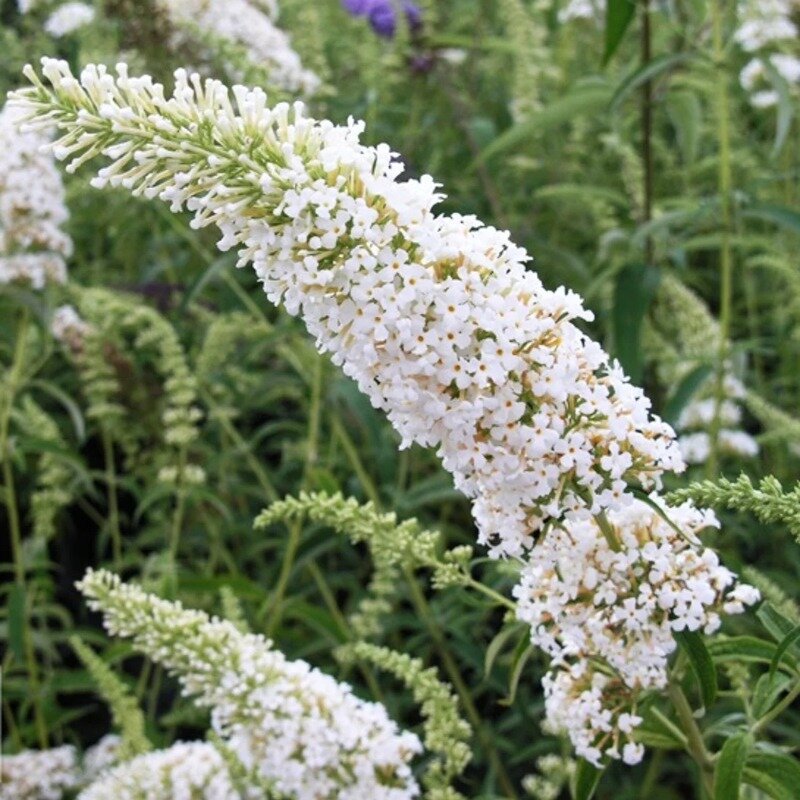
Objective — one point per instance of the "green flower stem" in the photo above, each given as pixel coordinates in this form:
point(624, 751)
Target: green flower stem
point(111, 493)
point(725, 185)
point(14, 380)
point(696, 746)
point(296, 529)
point(454, 675)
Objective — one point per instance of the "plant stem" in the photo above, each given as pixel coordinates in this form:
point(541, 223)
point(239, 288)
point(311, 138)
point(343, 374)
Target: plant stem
point(725, 184)
point(647, 129)
point(454, 674)
point(296, 528)
point(12, 384)
point(696, 747)
point(111, 493)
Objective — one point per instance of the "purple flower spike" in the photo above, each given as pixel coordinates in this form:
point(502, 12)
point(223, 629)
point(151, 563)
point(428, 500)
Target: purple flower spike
point(382, 14)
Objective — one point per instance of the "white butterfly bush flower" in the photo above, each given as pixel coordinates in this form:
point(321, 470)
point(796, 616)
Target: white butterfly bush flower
point(437, 318)
point(39, 774)
point(193, 770)
point(251, 25)
point(68, 18)
point(68, 327)
point(33, 247)
point(695, 443)
point(294, 726)
point(100, 757)
point(764, 22)
point(582, 9)
point(620, 597)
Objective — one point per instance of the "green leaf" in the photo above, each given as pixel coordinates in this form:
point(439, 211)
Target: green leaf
point(728, 773)
point(775, 774)
point(741, 648)
point(778, 626)
point(496, 645)
point(785, 106)
point(768, 689)
point(686, 116)
point(634, 290)
point(685, 391)
point(647, 72)
point(702, 664)
point(585, 781)
point(619, 14)
point(581, 101)
point(516, 673)
point(788, 641)
point(17, 620)
point(782, 216)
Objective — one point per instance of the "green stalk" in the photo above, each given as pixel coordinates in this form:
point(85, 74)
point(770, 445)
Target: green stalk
point(696, 746)
point(13, 381)
point(725, 185)
point(296, 528)
point(111, 493)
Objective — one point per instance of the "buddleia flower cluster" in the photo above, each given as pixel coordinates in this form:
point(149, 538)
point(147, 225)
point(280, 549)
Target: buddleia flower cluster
point(33, 246)
point(582, 9)
point(185, 769)
point(437, 318)
point(246, 24)
point(68, 18)
point(295, 728)
point(39, 774)
point(616, 598)
point(765, 29)
point(698, 417)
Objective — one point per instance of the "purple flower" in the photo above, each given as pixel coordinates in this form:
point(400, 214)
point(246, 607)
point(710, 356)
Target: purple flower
point(382, 14)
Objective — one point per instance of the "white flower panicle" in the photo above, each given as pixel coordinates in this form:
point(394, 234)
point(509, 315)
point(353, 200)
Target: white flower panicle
point(291, 724)
point(68, 18)
point(191, 770)
point(695, 443)
point(69, 328)
point(764, 23)
point(583, 598)
point(39, 774)
point(595, 710)
point(582, 9)
point(619, 597)
point(33, 247)
point(435, 317)
point(100, 757)
point(250, 25)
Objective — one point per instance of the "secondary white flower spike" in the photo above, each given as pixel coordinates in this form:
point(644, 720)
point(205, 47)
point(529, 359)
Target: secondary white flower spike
point(289, 722)
point(33, 247)
point(436, 317)
point(39, 774)
point(193, 770)
point(606, 608)
point(68, 18)
point(250, 25)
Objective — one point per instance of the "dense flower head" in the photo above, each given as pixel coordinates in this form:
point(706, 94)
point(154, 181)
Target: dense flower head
point(68, 18)
point(604, 598)
point(284, 720)
point(698, 418)
point(33, 247)
point(39, 774)
point(101, 756)
point(193, 770)
point(764, 22)
point(595, 710)
point(585, 599)
point(436, 317)
point(247, 24)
